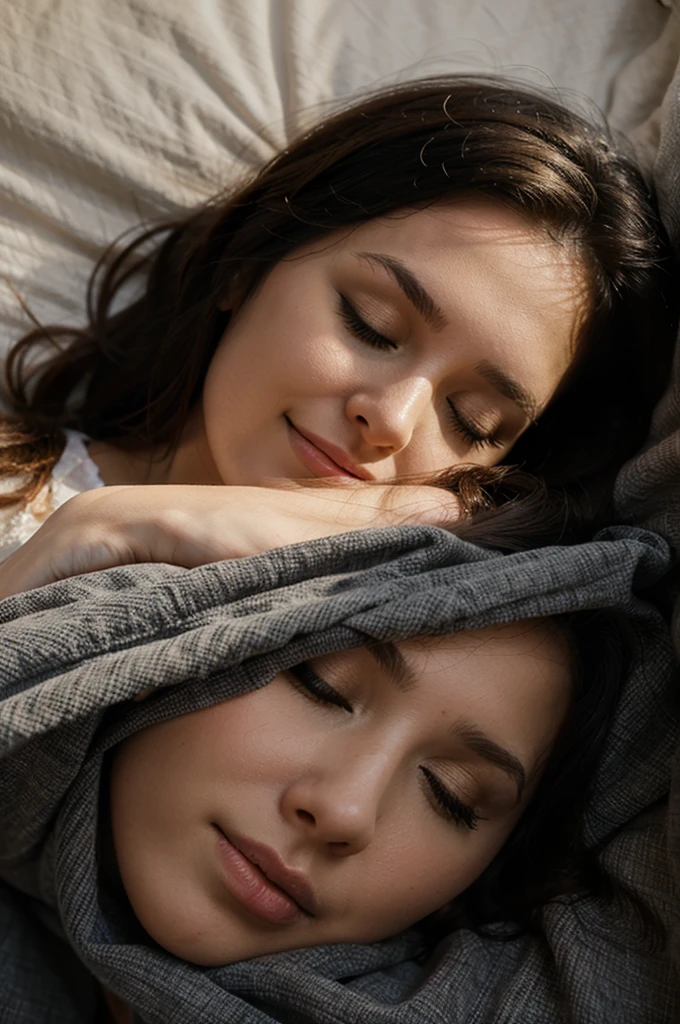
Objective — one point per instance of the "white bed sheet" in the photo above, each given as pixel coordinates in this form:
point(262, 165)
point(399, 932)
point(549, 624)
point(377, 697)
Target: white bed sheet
point(116, 110)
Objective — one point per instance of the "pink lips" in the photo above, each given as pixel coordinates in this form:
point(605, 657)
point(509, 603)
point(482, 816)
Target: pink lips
point(322, 457)
point(257, 877)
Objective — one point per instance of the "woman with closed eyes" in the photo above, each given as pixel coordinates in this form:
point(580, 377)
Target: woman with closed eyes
point(449, 294)
point(363, 791)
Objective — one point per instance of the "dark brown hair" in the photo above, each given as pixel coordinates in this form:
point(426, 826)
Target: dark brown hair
point(138, 368)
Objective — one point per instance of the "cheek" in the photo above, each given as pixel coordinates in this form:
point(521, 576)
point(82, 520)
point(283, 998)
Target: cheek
point(184, 761)
point(427, 868)
point(287, 338)
point(252, 739)
point(255, 736)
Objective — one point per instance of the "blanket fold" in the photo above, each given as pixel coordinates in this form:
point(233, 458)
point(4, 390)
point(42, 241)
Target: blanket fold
point(78, 652)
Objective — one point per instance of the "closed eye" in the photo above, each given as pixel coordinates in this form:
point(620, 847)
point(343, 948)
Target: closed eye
point(313, 686)
point(471, 434)
point(452, 807)
point(359, 328)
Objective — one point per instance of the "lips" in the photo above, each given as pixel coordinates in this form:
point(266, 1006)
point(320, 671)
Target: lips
point(257, 876)
point(323, 457)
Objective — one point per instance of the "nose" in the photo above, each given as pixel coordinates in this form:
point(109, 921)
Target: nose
point(338, 806)
point(387, 416)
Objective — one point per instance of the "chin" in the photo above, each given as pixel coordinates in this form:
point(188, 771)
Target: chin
point(190, 942)
point(211, 936)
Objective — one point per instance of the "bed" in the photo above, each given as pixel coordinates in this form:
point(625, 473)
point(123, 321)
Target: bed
point(114, 111)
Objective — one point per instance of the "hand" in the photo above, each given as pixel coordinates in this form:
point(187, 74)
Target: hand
point(191, 525)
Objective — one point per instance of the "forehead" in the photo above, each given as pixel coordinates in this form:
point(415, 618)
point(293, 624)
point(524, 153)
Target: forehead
point(481, 241)
point(469, 223)
point(510, 292)
point(514, 681)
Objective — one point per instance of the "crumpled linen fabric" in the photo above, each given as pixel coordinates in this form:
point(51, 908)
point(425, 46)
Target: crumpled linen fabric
point(120, 111)
point(75, 653)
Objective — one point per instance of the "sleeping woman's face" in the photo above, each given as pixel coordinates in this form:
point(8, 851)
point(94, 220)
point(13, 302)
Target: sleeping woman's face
point(344, 801)
point(408, 345)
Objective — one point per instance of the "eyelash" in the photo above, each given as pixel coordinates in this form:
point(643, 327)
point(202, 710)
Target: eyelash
point(359, 328)
point(468, 432)
point(364, 332)
point(453, 807)
point(317, 689)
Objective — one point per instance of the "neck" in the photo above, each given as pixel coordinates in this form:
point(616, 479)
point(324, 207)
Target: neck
point(190, 463)
point(118, 466)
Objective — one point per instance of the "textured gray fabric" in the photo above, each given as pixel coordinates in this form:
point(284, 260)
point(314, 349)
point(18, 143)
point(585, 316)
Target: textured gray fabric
point(75, 649)
point(648, 488)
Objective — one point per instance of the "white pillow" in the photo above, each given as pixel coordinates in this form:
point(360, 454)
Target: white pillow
point(113, 111)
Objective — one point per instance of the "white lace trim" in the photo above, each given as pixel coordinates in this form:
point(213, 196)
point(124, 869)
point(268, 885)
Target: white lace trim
point(74, 473)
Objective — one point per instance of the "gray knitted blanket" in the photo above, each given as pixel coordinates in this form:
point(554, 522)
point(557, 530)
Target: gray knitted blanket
point(648, 488)
point(75, 649)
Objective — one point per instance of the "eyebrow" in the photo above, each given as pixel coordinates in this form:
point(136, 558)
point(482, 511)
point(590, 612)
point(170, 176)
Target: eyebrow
point(400, 672)
point(433, 314)
point(491, 751)
point(414, 291)
point(509, 387)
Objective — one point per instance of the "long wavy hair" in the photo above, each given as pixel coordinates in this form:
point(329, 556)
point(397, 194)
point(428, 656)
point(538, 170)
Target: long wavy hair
point(132, 374)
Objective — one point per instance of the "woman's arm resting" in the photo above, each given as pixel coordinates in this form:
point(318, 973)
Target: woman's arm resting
point(192, 525)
